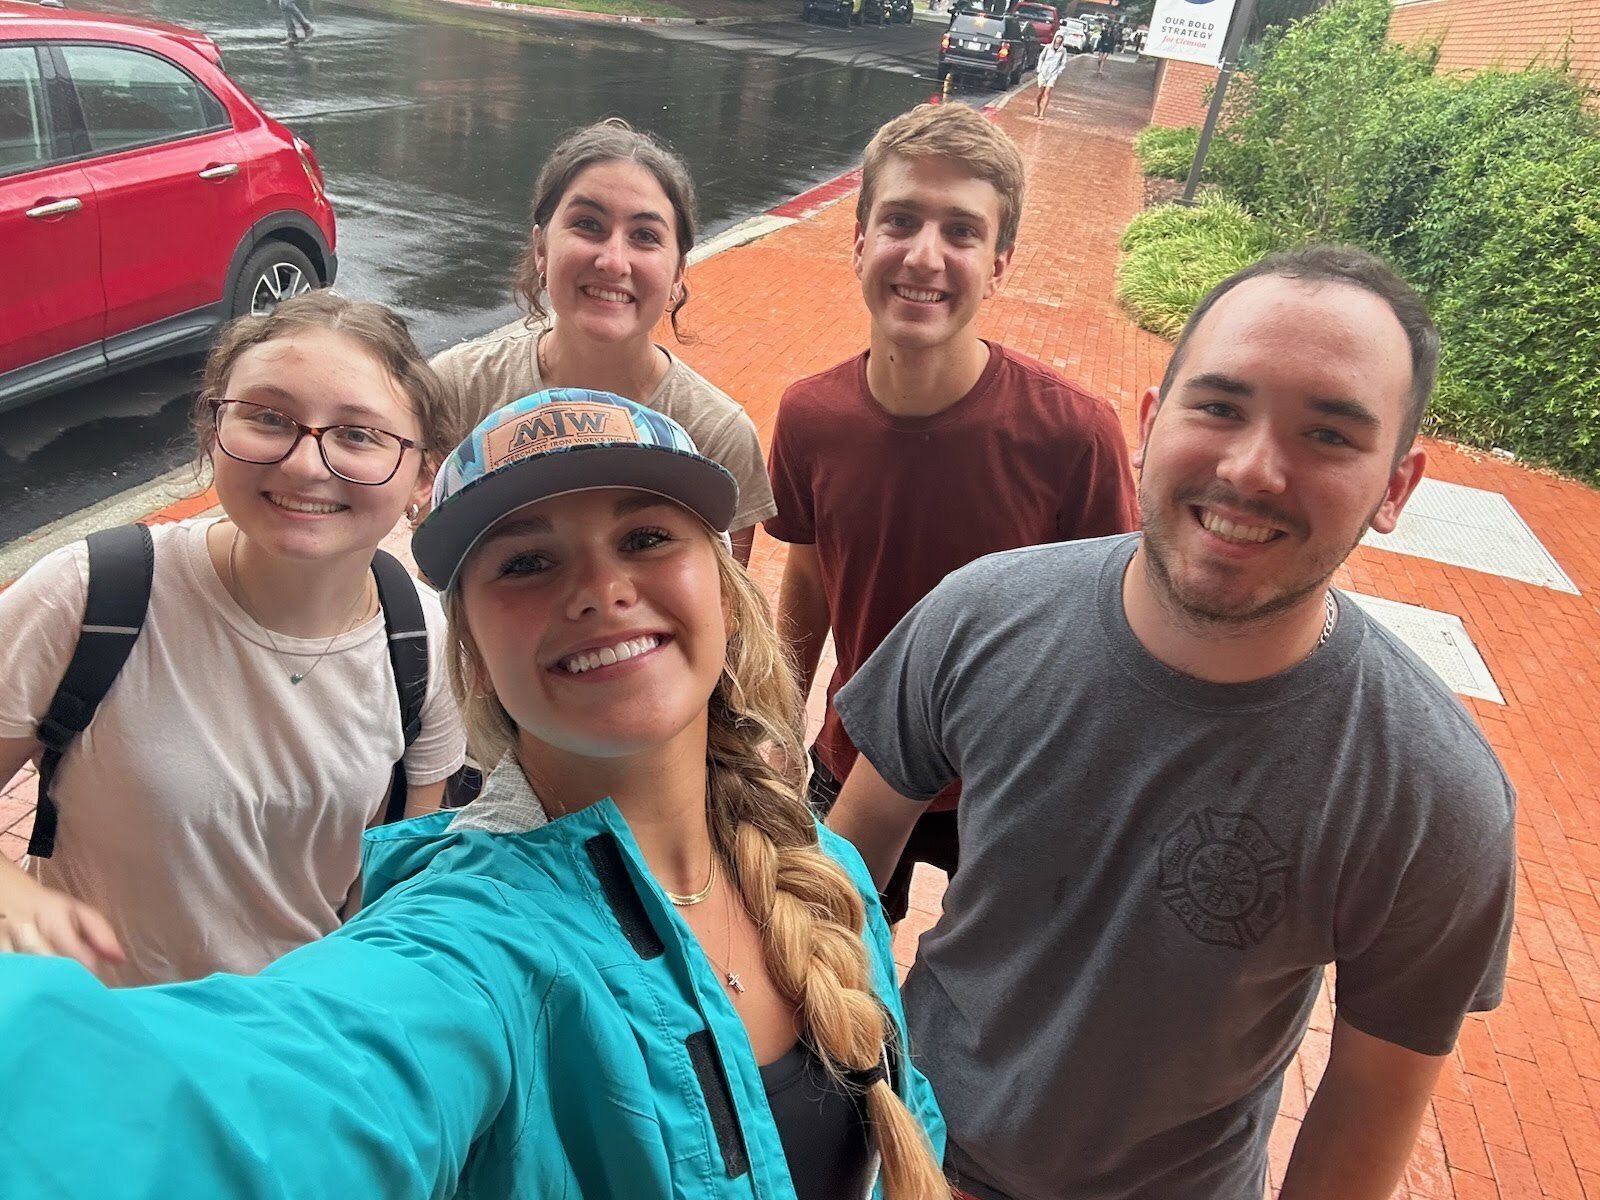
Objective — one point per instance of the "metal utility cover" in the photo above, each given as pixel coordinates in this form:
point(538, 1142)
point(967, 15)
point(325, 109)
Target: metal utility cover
point(1472, 528)
point(1438, 639)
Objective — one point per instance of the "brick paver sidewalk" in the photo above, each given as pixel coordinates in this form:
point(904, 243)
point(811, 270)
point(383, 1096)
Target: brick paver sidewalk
point(1515, 1112)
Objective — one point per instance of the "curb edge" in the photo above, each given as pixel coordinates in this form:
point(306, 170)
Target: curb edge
point(540, 12)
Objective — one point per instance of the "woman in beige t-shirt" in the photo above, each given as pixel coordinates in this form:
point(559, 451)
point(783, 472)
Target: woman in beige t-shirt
point(613, 222)
point(211, 814)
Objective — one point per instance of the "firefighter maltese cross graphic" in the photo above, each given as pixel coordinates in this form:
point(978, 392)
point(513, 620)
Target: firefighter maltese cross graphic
point(1223, 877)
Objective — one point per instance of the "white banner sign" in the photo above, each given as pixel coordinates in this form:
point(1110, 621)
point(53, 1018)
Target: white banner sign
point(1189, 30)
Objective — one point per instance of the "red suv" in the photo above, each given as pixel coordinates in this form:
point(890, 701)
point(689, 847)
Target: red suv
point(144, 199)
point(1042, 17)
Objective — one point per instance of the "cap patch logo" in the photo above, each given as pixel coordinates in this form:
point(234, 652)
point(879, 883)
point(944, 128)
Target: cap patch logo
point(557, 427)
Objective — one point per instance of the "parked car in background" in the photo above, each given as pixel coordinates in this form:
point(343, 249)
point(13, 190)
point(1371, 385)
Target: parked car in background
point(1077, 32)
point(996, 8)
point(845, 12)
point(1042, 18)
point(886, 12)
point(144, 198)
point(997, 49)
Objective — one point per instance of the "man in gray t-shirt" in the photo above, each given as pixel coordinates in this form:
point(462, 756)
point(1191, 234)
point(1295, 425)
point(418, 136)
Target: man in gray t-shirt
point(1193, 775)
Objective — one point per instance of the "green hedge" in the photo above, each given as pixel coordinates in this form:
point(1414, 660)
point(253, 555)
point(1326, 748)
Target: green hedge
point(1175, 255)
point(1484, 192)
point(1293, 140)
point(1520, 316)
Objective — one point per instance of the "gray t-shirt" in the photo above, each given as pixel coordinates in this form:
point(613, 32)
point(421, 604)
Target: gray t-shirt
point(1155, 869)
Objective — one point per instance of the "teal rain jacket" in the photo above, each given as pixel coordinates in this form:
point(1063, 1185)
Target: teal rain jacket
point(510, 1016)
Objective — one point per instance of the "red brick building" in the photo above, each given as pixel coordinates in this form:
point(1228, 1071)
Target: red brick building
point(1472, 34)
point(1503, 33)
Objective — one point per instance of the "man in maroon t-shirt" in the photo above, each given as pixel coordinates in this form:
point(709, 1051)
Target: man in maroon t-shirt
point(934, 447)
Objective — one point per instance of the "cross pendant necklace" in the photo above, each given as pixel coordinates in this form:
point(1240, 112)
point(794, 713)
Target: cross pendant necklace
point(730, 979)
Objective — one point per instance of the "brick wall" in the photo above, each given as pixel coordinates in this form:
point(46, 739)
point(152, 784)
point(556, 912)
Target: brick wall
point(1182, 93)
point(1472, 33)
point(1503, 33)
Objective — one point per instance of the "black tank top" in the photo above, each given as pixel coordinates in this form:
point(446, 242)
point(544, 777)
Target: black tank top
point(823, 1128)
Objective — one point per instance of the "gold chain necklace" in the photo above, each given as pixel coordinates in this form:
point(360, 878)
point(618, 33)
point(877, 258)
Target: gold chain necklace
point(696, 897)
point(730, 979)
point(295, 677)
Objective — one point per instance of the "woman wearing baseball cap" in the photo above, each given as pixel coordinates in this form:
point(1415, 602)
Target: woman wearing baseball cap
point(633, 967)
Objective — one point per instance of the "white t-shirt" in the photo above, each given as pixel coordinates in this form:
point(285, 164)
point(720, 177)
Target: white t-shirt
point(213, 811)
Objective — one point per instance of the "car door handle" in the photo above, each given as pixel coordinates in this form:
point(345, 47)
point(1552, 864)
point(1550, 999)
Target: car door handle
point(55, 208)
point(222, 171)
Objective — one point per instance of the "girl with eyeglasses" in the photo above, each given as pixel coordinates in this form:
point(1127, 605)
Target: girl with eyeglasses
point(210, 817)
point(635, 968)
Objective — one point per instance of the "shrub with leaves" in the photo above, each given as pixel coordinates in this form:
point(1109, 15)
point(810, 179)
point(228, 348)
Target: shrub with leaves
point(1428, 148)
point(1291, 140)
point(1167, 153)
point(1175, 255)
point(1519, 315)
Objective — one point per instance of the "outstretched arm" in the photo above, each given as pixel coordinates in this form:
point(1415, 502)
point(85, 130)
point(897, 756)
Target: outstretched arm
point(364, 1064)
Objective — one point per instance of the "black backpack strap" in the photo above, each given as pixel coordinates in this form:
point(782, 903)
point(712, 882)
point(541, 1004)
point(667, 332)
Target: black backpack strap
point(408, 655)
point(121, 572)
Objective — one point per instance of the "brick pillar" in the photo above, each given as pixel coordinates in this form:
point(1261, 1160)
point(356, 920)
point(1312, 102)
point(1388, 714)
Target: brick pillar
point(1182, 93)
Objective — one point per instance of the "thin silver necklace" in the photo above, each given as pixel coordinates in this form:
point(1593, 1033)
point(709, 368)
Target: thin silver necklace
point(295, 677)
point(1327, 622)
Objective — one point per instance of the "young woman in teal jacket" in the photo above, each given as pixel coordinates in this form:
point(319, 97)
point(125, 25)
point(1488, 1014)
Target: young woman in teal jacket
point(634, 967)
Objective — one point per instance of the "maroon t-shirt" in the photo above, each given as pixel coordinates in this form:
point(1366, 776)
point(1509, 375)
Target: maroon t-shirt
point(894, 504)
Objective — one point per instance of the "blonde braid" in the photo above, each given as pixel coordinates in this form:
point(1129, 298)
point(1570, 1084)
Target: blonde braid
point(808, 910)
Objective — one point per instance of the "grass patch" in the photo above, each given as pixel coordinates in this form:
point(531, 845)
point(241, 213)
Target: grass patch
point(1175, 255)
point(1167, 153)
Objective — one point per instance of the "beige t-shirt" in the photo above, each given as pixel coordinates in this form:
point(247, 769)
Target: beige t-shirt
point(213, 811)
point(503, 366)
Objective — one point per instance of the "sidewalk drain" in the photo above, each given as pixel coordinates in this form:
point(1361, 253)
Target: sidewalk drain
point(1472, 528)
point(1438, 639)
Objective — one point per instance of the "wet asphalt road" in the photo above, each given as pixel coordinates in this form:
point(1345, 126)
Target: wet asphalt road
point(430, 121)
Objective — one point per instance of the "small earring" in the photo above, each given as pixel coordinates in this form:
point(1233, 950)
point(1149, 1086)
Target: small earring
point(677, 293)
point(412, 510)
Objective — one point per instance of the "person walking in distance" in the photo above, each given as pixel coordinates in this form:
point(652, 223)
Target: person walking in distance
point(295, 22)
point(1051, 63)
point(1103, 46)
